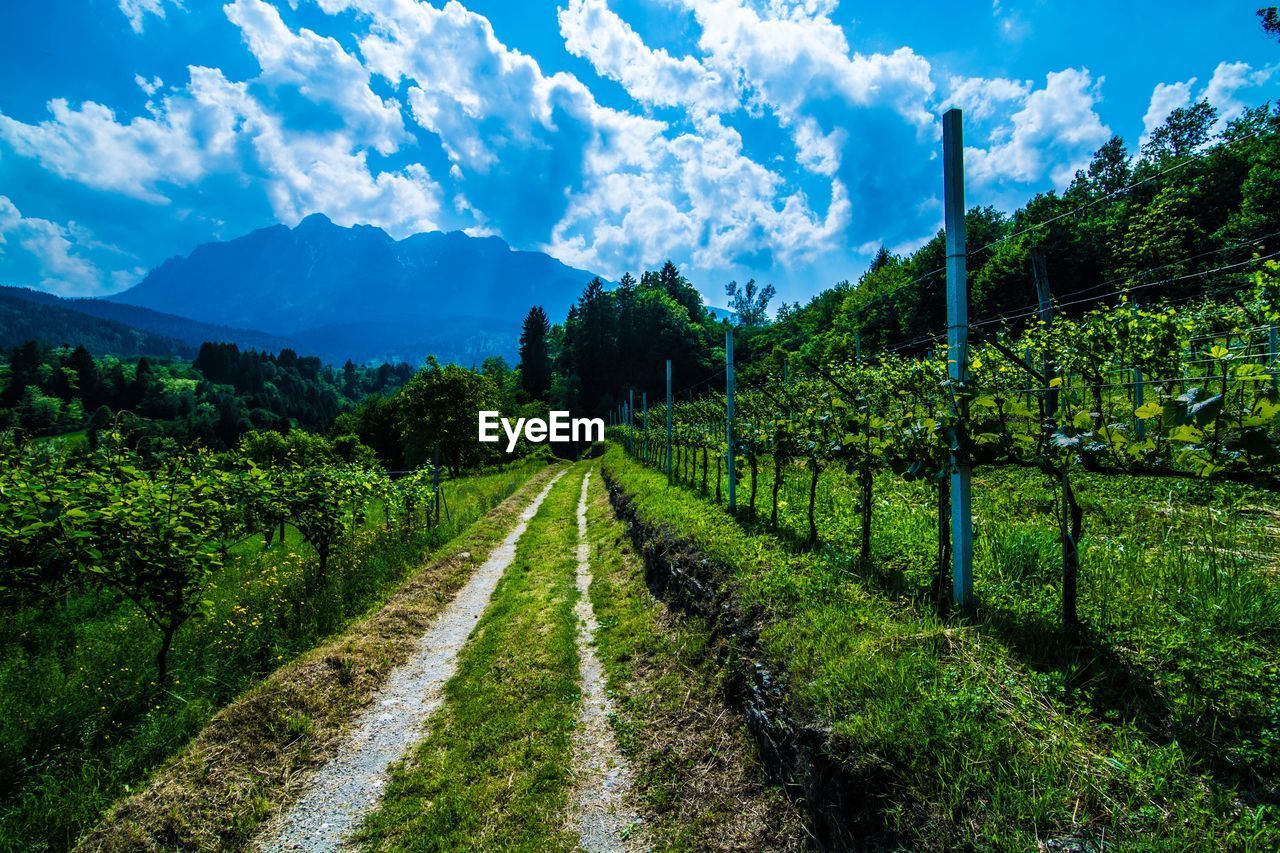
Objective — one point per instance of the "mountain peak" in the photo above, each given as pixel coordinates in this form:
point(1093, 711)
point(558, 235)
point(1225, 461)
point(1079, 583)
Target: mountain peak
point(313, 221)
point(360, 291)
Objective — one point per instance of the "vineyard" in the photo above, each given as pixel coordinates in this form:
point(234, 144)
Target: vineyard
point(1189, 393)
point(141, 592)
point(1120, 643)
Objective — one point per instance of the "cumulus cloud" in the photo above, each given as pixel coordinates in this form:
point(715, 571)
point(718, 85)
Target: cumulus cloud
point(1229, 78)
point(216, 126)
point(137, 10)
point(1166, 98)
point(1222, 91)
point(548, 165)
point(789, 54)
point(533, 156)
point(308, 172)
point(729, 210)
point(1054, 133)
point(654, 77)
point(60, 265)
point(982, 98)
point(148, 87)
point(321, 70)
point(177, 142)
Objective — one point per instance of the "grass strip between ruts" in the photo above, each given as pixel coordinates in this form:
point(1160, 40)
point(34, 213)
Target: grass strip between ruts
point(496, 768)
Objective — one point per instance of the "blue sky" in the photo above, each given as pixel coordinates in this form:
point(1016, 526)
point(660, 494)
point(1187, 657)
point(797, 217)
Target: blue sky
point(780, 139)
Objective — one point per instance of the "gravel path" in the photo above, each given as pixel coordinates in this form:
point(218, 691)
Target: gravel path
point(350, 785)
point(605, 822)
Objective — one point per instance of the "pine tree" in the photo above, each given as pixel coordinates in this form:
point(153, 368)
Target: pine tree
point(535, 357)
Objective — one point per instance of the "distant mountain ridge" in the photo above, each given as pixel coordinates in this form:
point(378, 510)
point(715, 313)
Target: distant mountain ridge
point(189, 332)
point(28, 315)
point(358, 293)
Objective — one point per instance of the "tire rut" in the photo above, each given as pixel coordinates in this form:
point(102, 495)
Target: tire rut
point(350, 785)
point(604, 820)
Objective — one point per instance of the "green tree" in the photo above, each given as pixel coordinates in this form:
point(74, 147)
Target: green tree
point(1269, 17)
point(535, 355)
point(749, 304)
point(679, 289)
point(439, 409)
point(1182, 134)
point(158, 541)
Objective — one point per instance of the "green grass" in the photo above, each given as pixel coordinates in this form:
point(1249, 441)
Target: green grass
point(80, 721)
point(696, 771)
point(495, 770)
point(1158, 727)
point(71, 440)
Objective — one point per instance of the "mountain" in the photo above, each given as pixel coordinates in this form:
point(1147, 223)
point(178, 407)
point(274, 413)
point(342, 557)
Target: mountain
point(26, 319)
point(357, 293)
point(117, 329)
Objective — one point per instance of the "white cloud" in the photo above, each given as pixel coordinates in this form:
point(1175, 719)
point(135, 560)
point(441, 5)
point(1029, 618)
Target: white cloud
point(1054, 133)
point(321, 70)
point(592, 31)
point(322, 171)
point(137, 10)
point(789, 54)
point(817, 151)
point(536, 158)
point(177, 142)
point(215, 126)
point(982, 98)
point(54, 249)
point(548, 165)
point(791, 60)
point(1222, 91)
point(148, 87)
point(707, 202)
point(1229, 78)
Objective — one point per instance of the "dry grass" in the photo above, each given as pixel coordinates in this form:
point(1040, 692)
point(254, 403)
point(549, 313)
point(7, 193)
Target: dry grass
point(253, 757)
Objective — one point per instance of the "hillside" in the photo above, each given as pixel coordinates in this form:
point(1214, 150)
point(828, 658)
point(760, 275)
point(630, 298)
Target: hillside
point(357, 293)
point(26, 315)
point(95, 315)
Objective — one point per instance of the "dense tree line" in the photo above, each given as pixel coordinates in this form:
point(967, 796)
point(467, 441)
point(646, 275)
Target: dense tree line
point(616, 339)
point(212, 401)
point(29, 315)
point(432, 419)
